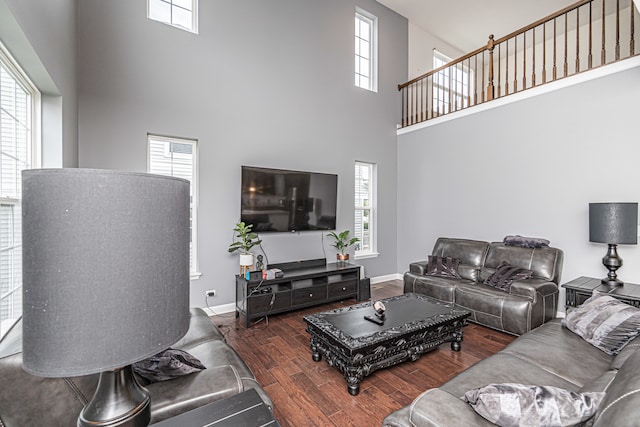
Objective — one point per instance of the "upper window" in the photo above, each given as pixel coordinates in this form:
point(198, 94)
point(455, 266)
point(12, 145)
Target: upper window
point(177, 157)
point(19, 150)
point(366, 40)
point(364, 209)
point(452, 85)
point(181, 14)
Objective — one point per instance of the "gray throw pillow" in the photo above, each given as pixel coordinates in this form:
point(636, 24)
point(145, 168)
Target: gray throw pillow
point(605, 322)
point(526, 242)
point(442, 266)
point(528, 405)
point(505, 275)
point(168, 364)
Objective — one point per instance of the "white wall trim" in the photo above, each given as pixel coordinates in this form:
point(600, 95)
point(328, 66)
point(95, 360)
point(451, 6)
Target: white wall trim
point(220, 309)
point(379, 279)
point(586, 76)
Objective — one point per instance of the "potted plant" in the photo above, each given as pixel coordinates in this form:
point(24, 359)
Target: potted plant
point(247, 239)
point(342, 242)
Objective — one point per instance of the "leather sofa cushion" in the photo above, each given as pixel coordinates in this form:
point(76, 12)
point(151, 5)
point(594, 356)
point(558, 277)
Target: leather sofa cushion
point(503, 368)
point(195, 391)
point(545, 263)
point(620, 406)
point(549, 347)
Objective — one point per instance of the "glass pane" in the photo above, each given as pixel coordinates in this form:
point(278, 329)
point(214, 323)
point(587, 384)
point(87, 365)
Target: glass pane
point(184, 4)
point(182, 18)
point(365, 49)
point(357, 64)
point(364, 67)
point(365, 31)
point(160, 10)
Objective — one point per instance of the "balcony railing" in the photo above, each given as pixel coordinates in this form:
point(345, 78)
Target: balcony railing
point(578, 38)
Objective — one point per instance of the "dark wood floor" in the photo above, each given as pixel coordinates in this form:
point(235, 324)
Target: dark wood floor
point(308, 393)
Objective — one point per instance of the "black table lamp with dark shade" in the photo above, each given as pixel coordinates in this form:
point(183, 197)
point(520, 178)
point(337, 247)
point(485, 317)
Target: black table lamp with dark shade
point(613, 224)
point(105, 280)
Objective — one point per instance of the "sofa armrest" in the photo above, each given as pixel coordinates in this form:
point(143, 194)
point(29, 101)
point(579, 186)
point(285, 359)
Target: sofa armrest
point(436, 407)
point(418, 267)
point(533, 287)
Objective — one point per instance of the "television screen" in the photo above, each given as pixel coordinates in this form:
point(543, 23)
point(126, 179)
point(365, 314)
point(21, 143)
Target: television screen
point(286, 200)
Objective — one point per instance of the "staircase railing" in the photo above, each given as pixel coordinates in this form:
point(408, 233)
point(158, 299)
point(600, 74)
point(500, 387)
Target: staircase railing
point(583, 36)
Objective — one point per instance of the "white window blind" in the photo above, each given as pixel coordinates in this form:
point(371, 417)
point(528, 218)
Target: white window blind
point(17, 148)
point(177, 157)
point(181, 14)
point(364, 208)
point(366, 50)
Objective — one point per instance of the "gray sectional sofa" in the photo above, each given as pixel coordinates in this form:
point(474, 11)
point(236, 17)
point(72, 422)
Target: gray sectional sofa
point(27, 400)
point(550, 355)
point(526, 305)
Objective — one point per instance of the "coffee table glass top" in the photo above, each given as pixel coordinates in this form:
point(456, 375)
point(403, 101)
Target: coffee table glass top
point(403, 313)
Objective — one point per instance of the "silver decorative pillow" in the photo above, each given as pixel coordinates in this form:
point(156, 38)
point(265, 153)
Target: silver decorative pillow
point(527, 405)
point(442, 266)
point(605, 322)
point(505, 275)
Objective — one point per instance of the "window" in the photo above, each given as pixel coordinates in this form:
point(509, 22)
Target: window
point(452, 85)
point(366, 40)
point(365, 209)
point(178, 157)
point(18, 151)
point(181, 14)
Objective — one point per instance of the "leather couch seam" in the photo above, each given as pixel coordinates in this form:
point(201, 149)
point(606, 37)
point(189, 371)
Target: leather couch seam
point(76, 391)
point(617, 400)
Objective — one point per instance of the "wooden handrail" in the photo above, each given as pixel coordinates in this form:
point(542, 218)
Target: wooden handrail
point(455, 85)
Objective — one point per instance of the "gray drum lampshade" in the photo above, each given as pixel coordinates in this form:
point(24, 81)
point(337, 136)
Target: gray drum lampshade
point(105, 268)
point(614, 223)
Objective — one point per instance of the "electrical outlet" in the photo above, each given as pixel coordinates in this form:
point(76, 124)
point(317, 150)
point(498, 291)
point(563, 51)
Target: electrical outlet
point(211, 293)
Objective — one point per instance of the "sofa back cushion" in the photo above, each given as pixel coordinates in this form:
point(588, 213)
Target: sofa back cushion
point(471, 254)
point(620, 406)
point(545, 263)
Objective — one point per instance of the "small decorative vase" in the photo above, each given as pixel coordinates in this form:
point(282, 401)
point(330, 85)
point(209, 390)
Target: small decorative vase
point(246, 262)
point(342, 258)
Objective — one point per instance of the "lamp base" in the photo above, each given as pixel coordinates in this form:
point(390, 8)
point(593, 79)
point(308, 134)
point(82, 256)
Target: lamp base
point(119, 401)
point(612, 262)
point(615, 282)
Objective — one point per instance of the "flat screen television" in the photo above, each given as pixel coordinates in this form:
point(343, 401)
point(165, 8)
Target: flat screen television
point(287, 200)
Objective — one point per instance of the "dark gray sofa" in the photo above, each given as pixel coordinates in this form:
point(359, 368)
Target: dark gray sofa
point(528, 304)
point(27, 400)
point(550, 355)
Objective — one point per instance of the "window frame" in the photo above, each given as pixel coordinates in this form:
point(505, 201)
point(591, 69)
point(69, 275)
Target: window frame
point(448, 82)
point(372, 20)
point(371, 208)
point(33, 160)
point(194, 15)
point(194, 269)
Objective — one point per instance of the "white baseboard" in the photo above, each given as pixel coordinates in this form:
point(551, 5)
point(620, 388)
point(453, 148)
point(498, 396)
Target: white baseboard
point(220, 309)
point(379, 279)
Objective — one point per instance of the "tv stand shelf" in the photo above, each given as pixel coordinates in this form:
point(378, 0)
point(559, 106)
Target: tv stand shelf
point(304, 284)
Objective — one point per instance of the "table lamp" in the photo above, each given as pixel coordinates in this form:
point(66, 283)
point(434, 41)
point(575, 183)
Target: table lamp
point(613, 224)
point(105, 280)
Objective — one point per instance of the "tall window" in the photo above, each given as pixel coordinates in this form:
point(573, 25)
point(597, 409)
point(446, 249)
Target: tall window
point(366, 40)
point(178, 157)
point(364, 220)
point(18, 151)
point(452, 85)
point(181, 14)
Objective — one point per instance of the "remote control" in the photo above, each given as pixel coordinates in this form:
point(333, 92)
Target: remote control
point(374, 319)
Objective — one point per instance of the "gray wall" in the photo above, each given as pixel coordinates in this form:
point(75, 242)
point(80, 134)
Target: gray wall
point(528, 168)
point(41, 36)
point(265, 83)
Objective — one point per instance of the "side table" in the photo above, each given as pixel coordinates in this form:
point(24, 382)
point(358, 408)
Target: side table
point(580, 289)
point(244, 409)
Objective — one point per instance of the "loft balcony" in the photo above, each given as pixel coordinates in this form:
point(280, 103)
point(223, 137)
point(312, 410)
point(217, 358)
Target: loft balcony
point(585, 36)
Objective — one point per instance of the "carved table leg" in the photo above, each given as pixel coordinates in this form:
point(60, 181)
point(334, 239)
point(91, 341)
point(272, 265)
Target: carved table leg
point(457, 339)
point(315, 353)
point(354, 378)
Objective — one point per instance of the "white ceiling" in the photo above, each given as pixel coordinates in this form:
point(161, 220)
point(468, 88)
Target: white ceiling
point(466, 24)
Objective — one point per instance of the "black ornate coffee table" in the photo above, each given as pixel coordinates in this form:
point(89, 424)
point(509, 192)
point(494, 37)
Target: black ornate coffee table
point(414, 324)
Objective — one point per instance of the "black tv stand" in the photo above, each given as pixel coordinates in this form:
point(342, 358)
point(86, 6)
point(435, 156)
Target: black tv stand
point(304, 284)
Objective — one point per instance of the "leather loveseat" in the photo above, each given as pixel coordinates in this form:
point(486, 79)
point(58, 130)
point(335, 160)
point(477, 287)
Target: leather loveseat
point(550, 355)
point(528, 304)
point(27, 400)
